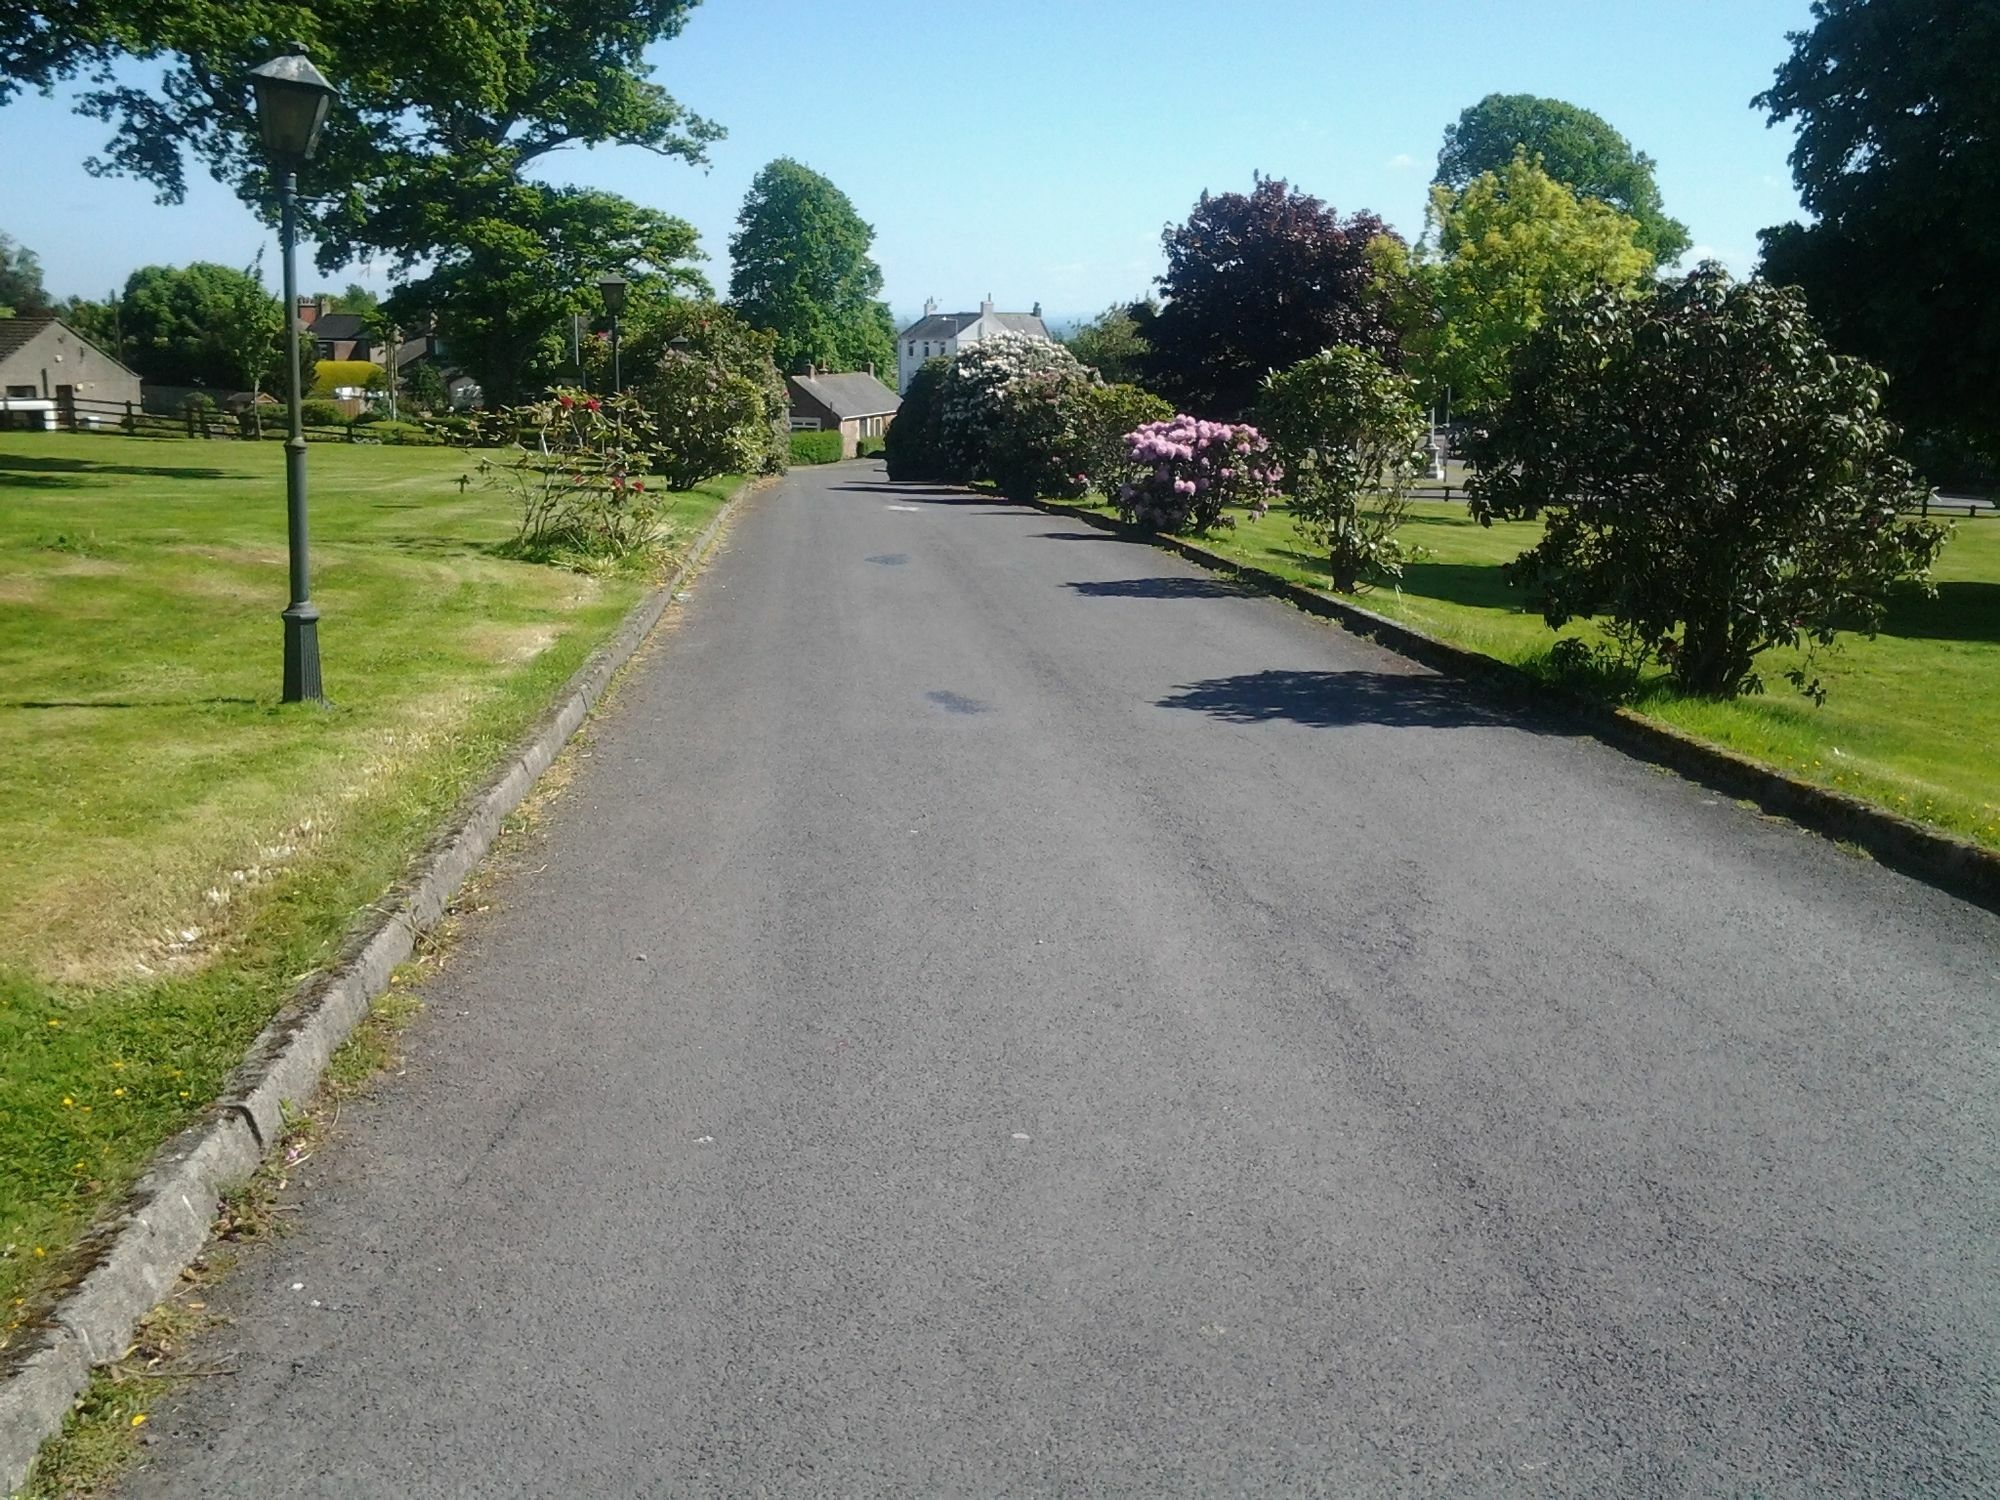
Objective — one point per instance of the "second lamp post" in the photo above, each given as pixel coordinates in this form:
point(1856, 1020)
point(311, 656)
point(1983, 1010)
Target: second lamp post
point(611, 287)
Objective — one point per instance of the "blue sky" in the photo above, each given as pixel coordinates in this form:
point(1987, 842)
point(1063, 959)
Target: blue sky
point(1034, 149)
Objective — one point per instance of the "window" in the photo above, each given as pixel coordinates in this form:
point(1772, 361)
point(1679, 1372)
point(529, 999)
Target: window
point(805, 424)
point(17, 391)
point(913, 348)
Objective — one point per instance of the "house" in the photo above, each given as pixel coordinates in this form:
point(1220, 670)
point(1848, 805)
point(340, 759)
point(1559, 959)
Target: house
point(338, 335)
point(857, 405)
point(938, 334)
point(52, 376)
point(461, 391)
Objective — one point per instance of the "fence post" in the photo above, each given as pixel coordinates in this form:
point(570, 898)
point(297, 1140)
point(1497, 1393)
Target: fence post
point(131, 422)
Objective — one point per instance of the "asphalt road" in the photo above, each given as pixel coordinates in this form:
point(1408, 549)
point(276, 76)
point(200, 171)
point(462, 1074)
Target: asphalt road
point(1000, 1013)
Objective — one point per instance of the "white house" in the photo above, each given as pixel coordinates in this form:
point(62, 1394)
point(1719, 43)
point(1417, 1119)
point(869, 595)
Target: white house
point(938, 334)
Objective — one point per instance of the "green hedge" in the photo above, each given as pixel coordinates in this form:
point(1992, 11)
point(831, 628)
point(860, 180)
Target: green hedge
point(816, 448)
point(870, 447)
point(319, 414)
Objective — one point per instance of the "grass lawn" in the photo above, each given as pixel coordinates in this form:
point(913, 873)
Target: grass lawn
point(179, 848)
point(1912, 718)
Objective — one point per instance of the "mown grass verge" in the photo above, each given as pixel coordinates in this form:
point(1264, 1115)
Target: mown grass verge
point(182, 849)
point(1911, 719)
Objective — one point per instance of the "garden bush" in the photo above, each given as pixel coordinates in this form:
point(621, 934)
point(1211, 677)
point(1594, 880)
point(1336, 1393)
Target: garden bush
point(330, 375)
point(1347, 429)
point(817, 448)
point(870, 447)
point(317, 414)
point(577, 477)
point(707, 378)
point(1034, 451)
point(1103, 415)
point(1716, 481)
point(914, 448)
point(974, 384)
point(1190, 471)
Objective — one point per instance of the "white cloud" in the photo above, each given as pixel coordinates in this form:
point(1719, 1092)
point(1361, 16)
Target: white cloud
point(1402, 161)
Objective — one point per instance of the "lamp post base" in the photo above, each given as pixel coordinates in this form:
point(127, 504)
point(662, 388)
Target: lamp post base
point(302, 655)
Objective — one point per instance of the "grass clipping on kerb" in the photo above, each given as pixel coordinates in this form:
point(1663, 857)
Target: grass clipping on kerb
point(182, 850)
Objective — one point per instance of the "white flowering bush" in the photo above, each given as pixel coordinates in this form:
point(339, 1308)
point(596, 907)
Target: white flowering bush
point(1191, 471)
point(974, 388)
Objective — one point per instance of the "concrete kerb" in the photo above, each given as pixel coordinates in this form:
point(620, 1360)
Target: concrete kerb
point(1957, 865)
point(137, 1256)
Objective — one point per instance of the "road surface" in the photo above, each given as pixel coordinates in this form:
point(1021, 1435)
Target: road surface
point(1000, 1012)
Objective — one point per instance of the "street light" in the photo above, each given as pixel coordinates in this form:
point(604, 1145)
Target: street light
point(611, 287)
point(292, 104)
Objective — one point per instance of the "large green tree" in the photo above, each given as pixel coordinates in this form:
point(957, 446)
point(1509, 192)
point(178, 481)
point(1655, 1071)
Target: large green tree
point(1497, 254)
point(202, 324)
point(448, 113)
point(801, 270)
point(21, 288)
point(1577, 147)
point(1897, 105)
point(1113, 344)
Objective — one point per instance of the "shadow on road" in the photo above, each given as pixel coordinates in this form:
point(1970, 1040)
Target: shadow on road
point(1161, 588)
point(1328, 700)
point(1078, 536)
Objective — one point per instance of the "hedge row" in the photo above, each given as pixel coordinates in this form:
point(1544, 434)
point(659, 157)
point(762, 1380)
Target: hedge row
point(816, 448)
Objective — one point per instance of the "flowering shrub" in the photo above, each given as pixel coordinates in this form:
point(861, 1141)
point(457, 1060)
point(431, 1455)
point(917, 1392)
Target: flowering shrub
point(970, 397)
point(707, 377)
point(1347, 428)
point(1192, 470)
point(1036, 449)
point(1102, 415)
point(575, 466)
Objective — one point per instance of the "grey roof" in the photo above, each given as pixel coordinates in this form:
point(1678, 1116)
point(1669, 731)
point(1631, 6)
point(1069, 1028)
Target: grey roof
point(854, 395)
point(337, 325)
point(951, 325)
point(940, 326)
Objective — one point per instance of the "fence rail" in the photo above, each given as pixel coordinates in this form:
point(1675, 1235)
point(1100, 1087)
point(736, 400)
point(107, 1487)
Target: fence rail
point(252, 424)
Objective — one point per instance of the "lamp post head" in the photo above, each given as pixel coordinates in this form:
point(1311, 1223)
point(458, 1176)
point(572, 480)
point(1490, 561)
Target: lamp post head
point(293, 98)
point(611, 287)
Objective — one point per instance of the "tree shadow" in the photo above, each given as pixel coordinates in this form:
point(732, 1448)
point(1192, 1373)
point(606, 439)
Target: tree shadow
point(1477, 585)
point(23, 463)
point(125, 703)
point(1078, 536)
point(1332, 700)
point(1962, 611)
point(1161, 588)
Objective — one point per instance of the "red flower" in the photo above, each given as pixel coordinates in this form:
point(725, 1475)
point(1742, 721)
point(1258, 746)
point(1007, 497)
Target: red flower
point(564, 402)
point(639, 485)
point(591, 403)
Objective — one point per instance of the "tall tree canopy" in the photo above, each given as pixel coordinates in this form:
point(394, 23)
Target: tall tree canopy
point(1111, 343)
point(445, 107)
point(1577, 147)
point(1497, 255)
point(1898, 154)
point(1254, 283)
point(802, 271)
point(202, 324)
point(21, 288)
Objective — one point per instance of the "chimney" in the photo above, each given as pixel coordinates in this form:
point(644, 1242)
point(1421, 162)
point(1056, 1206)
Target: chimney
point(986, 306)
point(812, 372)
point(871, 369)
point(311, 309)
point(930, 306)
point(1038, 310)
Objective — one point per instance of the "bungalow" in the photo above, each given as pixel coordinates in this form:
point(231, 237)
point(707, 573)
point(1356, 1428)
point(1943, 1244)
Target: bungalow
point(939, 334)
point(52, 376)
point(857, 405)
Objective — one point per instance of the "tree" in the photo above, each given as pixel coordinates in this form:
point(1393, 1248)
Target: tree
point(975, 386)
point(1898, 156)
point(505, 289)
point(1113, 343)
point(1496, 255)
point(1716, 481)
point(21, 288)
point(100, 322)
point(1347, 429)
point(423, 386)
point(802, 271)
point(1256, 282)
point(428, 159)
point(914, 447)
point(202, 324)
point(1576, 147)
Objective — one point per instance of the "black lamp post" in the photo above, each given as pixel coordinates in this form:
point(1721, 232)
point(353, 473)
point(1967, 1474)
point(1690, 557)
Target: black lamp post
point(292, 104)
point(611, 287)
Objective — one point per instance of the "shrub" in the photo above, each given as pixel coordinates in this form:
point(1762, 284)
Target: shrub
point(1190, 471)
point(1345, 427)
point(974, 385)
point(319, 414)
point(1716, 480)
point(707, 378)
point(1104, 414)
point(817, 448)
point(914, 448)
point(330, 375)
point(578, 477)
point(1034, 448)
point(869, 447)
